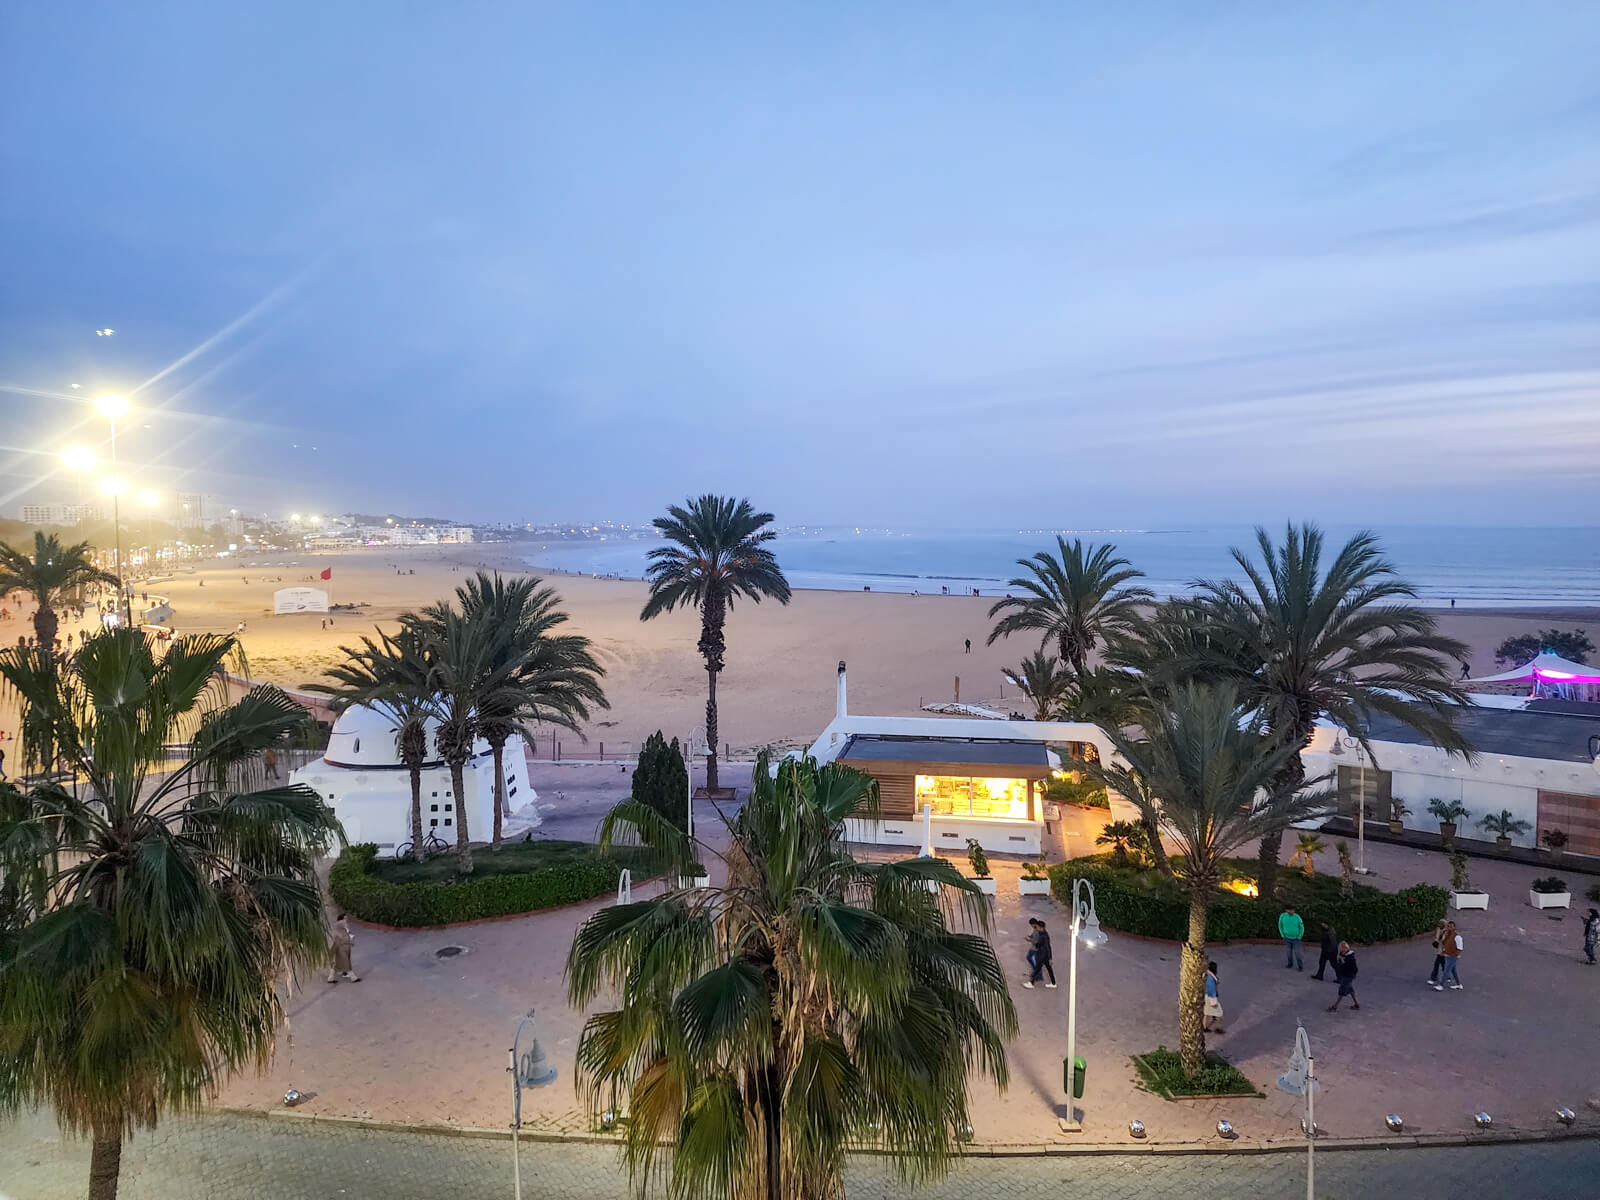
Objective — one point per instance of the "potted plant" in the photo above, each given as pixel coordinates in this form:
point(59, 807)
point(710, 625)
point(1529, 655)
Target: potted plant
point(1397, 812)
point(1504, 827)
point(980, 867)
point(1555, 841)
point(1593, 894)
point(694, 876)
point(1448, 813)
point(1462, 893)
point(1034, 882)
point(1549, 892)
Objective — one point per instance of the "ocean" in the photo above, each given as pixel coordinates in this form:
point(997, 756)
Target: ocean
point(1476, 567)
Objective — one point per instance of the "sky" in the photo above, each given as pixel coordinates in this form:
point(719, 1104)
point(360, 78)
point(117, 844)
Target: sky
point(923, 264)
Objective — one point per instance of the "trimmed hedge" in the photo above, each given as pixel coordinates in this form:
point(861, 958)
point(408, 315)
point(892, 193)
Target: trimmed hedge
point(362, 894)
point(1148, 904)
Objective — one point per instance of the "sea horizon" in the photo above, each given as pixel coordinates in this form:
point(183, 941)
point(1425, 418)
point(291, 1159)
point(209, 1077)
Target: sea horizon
point(1474, 566)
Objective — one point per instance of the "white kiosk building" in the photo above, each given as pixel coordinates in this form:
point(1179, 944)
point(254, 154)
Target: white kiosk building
point(361, 777)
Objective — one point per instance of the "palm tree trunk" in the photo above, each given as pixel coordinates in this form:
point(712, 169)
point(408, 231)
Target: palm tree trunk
point(1293, 775)
point(458, 786)
point(416, 812)
point(713, 614)
point(1158, 852)
point(711, 732)
point(45, 625)
point(105, 1164)
point(499, 748)
point(1192, 983)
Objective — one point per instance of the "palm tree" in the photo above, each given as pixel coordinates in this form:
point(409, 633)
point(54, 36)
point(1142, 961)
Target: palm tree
point(552, 679)
point(158, 906)
point(1077, 597)
point(1041, 679)
point(50, 571)
point(1306, 846)
point(1120, 836)
point(391, 676)
point(1220, 786)
point(1302, 644)
point(765, 1024)
point(718, 552)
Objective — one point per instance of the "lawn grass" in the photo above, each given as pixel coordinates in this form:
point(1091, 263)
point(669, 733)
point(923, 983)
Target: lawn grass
point(513, 858)
point(1161, 1071)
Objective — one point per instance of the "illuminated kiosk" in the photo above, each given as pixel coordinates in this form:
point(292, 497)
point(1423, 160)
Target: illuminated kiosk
point(977, 778)
point(361, 777)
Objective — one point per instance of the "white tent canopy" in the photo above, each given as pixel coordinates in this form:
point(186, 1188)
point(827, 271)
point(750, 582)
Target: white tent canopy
point(1546, 667)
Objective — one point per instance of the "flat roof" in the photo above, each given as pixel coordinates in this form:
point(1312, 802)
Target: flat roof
point(967, 751)
point(1561, 736)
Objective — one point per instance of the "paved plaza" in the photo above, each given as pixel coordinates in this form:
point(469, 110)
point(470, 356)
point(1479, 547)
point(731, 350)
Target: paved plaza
point(241, 1158)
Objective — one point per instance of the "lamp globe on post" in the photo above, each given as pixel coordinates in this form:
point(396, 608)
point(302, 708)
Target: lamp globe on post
point(1085, 929)
point(113, 407)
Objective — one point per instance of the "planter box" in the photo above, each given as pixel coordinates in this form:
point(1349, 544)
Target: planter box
point(988, 885)
point(694, 881)
point(1469, 899)
point(1550, 899)
point(1397, 827)
point(1502, 844)
point(1033, 887)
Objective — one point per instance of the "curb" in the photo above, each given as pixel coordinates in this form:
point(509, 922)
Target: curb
point(1416, 1141)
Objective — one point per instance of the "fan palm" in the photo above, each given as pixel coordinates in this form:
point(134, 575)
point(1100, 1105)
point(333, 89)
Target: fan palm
point(1041, 679)
point(1120, 836)
point(156, 906)
point(391, 676)
point(553, 678)
point(1219, 787)
point(1303, 643)
point(765, 1024)
point(49, 572)
point(1077, 596)
point(1307, 846)
point(718, 552)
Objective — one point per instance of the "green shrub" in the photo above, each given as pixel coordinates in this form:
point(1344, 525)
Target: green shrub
point(1549, 884)
point(1161, 1070)
point(1149, 904)
point(1593, 894)
point(1064, 791)
point(661, 781)
point(362, 894)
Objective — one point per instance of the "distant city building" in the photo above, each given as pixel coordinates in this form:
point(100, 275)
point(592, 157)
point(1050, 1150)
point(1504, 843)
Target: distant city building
point(59, 514)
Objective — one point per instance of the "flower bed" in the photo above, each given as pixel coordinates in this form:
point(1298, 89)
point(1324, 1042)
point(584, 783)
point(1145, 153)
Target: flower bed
point(1145, 902)
point(1161, 1071)
point(362, 893)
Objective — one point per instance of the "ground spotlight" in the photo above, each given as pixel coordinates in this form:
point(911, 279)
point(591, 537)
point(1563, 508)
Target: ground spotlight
point(964, 1133)
point(1136, 1129)
point(291, 1098)
point(1566, 1116)
point(1395, 1124)
point(608, 1119)
point(1225, 1129)
point(1482, 1120)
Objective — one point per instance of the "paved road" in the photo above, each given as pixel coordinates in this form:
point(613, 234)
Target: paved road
point(237, 1158)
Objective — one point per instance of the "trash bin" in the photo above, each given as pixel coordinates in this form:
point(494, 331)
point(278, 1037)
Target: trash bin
point(1072, 1077)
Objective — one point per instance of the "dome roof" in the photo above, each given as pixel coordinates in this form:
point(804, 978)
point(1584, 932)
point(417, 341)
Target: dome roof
point(364, 736)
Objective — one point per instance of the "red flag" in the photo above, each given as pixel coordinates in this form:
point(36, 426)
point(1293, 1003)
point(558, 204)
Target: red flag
point(327, 572)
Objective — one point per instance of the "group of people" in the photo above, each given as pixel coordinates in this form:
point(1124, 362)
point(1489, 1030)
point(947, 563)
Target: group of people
point(1339, 955)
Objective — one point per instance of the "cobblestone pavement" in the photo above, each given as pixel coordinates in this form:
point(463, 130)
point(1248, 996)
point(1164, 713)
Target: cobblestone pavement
point(243, 1158)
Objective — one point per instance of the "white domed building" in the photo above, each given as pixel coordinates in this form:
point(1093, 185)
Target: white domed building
point(361, 777)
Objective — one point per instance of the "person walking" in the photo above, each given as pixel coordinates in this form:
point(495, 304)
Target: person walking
point(1040, 955)
point(1292, 929)
point(1591, 926)
point(1438, 951)
point(342, 943)
point(269, 760)
point(969, 645)
point(1344, 970)
point(1213, 1009)
point(1330, 951)
point(1450, 948)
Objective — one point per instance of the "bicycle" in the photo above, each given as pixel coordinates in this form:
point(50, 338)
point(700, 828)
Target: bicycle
point(432, 844)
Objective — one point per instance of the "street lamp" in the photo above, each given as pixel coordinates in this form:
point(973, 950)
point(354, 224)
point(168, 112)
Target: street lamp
point(78, 459)
point(1085, 929)
point(1342, 742)
point(111, 407)
point(529, 1069)
point(150, 499)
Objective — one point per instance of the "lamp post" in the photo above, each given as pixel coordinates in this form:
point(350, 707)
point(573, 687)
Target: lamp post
point(529, 1069)
point(111, 407)
point(78, 459)
point(1085, 929)
point(1342, 742)
point(150, 499)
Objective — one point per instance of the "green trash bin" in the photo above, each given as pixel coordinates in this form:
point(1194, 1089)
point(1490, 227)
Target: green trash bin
point(1072, 1077)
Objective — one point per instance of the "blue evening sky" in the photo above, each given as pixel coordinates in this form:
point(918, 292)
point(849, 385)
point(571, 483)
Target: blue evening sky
point(980, 264)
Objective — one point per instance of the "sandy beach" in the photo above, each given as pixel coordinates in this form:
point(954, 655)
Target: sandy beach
point(777, 689)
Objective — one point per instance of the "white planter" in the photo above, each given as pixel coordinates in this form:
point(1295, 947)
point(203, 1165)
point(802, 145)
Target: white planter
point(988, 885)
point(1550, 899)
point(694, 881)
point(1469, 899)
point(1033, 887)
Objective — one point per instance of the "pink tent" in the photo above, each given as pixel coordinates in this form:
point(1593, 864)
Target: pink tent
point(1551, 675)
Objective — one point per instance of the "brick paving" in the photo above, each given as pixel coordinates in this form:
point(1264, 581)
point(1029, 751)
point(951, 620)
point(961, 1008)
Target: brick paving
point(239, 1158)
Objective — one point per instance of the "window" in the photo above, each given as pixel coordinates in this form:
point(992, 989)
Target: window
point(433, 808)
point(447, 820)
point(433, 820)
point(358, 746)
point(956, 796)
point(447, 808)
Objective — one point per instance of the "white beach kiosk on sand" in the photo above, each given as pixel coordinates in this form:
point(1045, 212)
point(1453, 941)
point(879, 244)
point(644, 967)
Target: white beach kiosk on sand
point(361, 777)
point(943, 780)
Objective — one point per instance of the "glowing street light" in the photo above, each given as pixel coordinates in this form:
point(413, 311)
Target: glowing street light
point(111, 406)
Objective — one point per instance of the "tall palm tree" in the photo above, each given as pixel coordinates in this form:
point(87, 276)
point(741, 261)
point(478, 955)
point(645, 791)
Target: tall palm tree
point(391, 676)
point(718, 552)
point(1078, 597)
point(765, 1024)
point(1303, 643)
point(139, 963)
point(553, 678)
point(1219, 785)
point(49, 572)
point(1041, 679)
